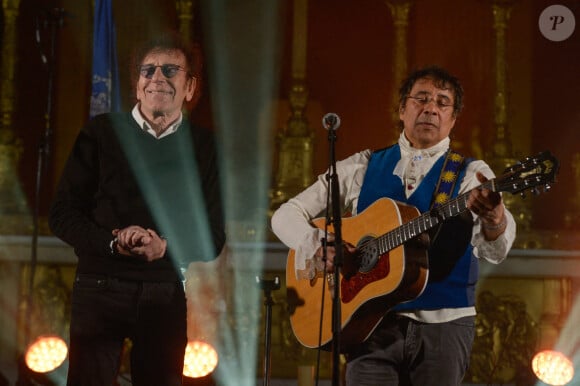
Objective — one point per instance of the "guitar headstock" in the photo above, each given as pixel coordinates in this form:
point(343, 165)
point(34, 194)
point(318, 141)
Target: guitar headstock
point(530, 173)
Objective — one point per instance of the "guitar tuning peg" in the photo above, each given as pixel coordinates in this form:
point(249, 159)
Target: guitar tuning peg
point(547, 188)
point(536, 191)
point(523, 195)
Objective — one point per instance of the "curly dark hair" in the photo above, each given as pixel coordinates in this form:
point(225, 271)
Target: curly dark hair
point(441, 78)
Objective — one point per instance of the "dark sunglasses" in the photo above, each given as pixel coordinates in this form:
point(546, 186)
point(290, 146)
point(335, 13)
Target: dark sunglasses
point(168, 70)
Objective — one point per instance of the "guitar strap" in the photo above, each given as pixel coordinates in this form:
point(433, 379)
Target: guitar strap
point(448, 178)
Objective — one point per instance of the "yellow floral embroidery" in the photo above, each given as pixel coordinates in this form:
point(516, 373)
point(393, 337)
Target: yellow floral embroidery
point(455, 157)
point(441, 198)
point(448, 176)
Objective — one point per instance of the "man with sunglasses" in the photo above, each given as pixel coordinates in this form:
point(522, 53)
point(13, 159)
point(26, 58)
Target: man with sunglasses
point(139, 199)
point(425, 340)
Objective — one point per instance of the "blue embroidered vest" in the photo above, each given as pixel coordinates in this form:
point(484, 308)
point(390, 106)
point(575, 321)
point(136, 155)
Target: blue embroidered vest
point(457, 288)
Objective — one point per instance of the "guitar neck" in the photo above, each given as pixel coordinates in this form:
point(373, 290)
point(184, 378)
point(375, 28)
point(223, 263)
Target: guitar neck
point(426, 221)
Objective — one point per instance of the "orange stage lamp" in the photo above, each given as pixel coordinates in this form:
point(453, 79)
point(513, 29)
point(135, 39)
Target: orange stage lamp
point(45, 354)
point(200, 359)
point(552, 367)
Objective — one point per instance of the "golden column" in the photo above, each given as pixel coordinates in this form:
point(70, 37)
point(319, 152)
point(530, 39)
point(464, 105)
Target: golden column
point(501, 154)
point(501, 13)
point(296, 140)
point(572, 216)
point(185, 15)
point(13, 205)
point(400, 13)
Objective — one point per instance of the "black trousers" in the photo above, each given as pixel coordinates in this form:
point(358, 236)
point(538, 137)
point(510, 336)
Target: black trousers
point(404, 352)
point(106, 310)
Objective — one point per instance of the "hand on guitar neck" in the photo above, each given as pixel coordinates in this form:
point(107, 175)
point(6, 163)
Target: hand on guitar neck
point(487, 204)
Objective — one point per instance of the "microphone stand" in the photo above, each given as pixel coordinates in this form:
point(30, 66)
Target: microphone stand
point(268, 286)
point(338, 258)
point(55, 18)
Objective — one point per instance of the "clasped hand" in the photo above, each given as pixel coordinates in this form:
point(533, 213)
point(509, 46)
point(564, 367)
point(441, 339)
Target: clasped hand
point(137, 241)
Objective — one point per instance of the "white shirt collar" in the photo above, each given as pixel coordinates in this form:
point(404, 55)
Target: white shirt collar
point(425, 158)
point(407, 149)
point(142, 122)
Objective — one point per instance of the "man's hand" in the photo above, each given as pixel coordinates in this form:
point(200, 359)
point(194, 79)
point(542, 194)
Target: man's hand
point(137, 241)
point(488, 206)
point(349, 252)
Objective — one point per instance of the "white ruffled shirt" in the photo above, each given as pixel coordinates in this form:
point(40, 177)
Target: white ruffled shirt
point(291, 222)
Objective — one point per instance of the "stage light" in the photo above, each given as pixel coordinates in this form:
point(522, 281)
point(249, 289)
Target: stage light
point(45, 354)
point(200, 360)
point(552, 367)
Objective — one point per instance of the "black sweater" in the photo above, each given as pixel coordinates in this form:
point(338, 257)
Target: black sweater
point(118, 175)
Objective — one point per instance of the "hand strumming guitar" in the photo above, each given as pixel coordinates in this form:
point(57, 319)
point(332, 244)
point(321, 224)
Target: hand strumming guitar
point(350, 263)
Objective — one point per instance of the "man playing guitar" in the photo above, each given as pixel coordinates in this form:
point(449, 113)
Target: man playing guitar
point(424, 334)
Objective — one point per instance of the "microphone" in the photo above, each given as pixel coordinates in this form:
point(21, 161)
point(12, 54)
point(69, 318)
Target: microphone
point(331, 121)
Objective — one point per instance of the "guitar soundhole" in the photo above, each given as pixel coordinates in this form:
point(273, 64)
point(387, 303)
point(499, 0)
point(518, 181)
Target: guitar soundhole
point(369, 255)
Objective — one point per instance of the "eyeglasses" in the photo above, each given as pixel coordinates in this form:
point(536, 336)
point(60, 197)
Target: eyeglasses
point(168, 70)
point(423, 99)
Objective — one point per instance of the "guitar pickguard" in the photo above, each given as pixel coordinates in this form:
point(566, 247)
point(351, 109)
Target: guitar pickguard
point(351, 287)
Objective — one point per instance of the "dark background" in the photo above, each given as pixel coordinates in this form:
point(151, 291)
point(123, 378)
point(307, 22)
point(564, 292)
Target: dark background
point(349, 71)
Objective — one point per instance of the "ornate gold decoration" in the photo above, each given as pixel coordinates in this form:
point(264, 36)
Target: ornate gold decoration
point(502, 153)
point(572, 216)
point(501, 14)
point(556, 306)
point(185, 15)
point(13, 205)
point(296, 141)
point(505, 341)
point(8, 65)
point(400, 13)
point(296, 151)
point(49, 307)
